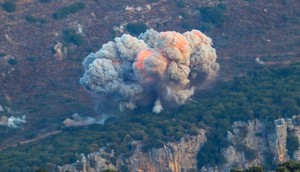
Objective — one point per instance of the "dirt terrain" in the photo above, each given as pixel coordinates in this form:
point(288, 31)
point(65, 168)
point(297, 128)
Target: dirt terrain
point(44, 85)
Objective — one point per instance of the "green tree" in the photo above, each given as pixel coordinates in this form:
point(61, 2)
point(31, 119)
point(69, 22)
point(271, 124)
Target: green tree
point(254, 169)
point(67, 10)
point(250, 154)
point(110, 170)
point(289, 166)
point(9, 6)
point(292, 144)
point(45, 1)
point(136, 28)
point(214, 15)
point(12, 62)
point(71, 36)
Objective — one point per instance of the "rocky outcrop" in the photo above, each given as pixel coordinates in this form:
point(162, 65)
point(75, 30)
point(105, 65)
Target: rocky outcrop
point(173, 157)
point(248, 143)
point(252, 143)
point(293, 128)
point(93, 162)
point(277, 140)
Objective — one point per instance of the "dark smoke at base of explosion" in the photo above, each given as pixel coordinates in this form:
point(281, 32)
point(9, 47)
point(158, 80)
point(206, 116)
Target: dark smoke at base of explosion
point(157, 69)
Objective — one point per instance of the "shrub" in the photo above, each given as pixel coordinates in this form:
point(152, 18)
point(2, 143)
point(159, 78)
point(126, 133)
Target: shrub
point(71, 9)
point(210, 154)
point(180, 3)
point(33, 19)
point(240, 147)
point(250, 154)
point(45, 1)
point(110, 170)
point(254, 169)
point(9, 6)
point(12, 61)
point(292, 145)
point(71, 36)
point(289, 166)
point(214, 15)
point(243, 131)
point(186, 25)
point(206, 27)
point(30, 19)
point(33, 59)
point(136, 28)
point(2, 54)
point(236, 170)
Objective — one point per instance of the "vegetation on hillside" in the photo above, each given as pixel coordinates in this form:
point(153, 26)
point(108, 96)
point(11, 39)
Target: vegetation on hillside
point(68, 10)
point(136, 28)
point(45, 1)
point(289, 166)
point(212, 16)
point(33, 19)
point(266, 94)
point(9, 6)
point(71, 36)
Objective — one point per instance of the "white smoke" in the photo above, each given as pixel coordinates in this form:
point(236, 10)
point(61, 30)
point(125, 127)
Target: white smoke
point(157, 108)
point(81, 121)
point(259, 61)
point(12, 122)
point(158, 68)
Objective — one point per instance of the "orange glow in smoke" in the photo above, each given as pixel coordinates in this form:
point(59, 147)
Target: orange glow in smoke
point(142, 55)
point(199, 34)
point(181, 43)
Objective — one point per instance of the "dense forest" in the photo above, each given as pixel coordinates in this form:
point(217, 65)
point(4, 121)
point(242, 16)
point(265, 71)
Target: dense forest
point(266, 94)
point(289, 166)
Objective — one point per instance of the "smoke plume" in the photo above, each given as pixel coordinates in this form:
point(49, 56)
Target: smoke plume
point(81, 121)
point(157, 68)
point(12, 122)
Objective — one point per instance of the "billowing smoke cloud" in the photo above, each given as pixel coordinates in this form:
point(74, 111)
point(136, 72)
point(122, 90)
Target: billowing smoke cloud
point(81, 121)
point(12, 122)
point(158, 68)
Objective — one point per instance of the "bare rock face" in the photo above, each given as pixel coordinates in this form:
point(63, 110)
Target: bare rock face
point(293, 126)
point(249, 143)
point(93, 162)
point(277, 140)
point(252, 143)
point(284, 127)
point(173, 157)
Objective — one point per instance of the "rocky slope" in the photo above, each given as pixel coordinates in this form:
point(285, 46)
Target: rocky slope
point(258, 142)
point(173, 157)
point(251, 143)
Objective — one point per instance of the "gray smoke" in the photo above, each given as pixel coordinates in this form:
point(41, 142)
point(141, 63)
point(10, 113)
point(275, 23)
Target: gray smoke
point(12, 122)
point(157, 68)
point(77, 120)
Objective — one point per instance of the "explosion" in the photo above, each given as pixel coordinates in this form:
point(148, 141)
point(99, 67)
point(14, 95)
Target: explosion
point(158, 68)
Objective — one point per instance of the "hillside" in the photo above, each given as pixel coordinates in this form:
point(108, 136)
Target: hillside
point(268, 94)
point(43, 83)
point(43, 42)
